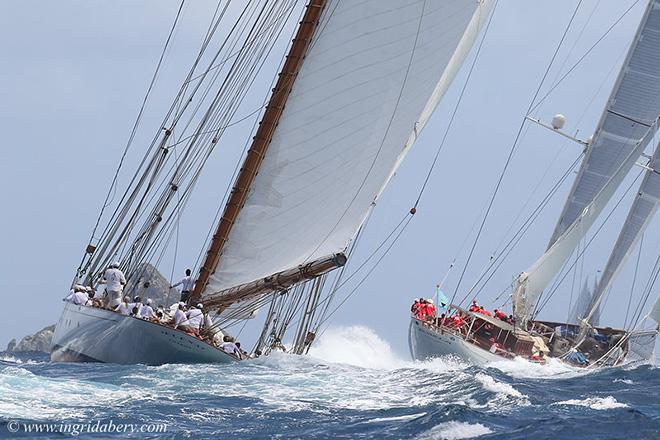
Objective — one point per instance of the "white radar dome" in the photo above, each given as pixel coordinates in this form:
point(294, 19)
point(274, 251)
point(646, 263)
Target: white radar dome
point(558, 121)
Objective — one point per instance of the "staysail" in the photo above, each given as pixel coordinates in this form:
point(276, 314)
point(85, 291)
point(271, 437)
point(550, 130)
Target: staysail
point(641, 212)
point(633, 106)
point(371, 77)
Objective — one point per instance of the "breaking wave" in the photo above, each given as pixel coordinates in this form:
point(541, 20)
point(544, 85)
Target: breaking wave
point(599, 403)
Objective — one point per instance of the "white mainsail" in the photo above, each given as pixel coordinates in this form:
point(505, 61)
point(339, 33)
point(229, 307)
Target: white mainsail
point(532, 282)
point(633, 105)
point(375, 71)
point(641, 212)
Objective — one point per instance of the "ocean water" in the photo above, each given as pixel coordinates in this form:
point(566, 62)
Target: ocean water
point(352, 386)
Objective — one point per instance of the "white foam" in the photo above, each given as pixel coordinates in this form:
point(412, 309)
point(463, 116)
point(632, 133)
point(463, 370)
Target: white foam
point(26, 395)
point(455, 431)
point(598, 403)
point(626, 381)
point(498, 387)
point(396, 419)
point(524, 369)
point(356, 345)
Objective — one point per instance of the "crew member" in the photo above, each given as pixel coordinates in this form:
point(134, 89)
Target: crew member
point(474, 307)
point(77, 295)
point(181, 320)
point(114, 281)
point(414, 308)
point(124, 307)
point(136, 306)
point(195, 318)
point(430, 308)
point(228, 346)
point(500, 315)
point(147, 312)
point(484, 311)
point(187, 283)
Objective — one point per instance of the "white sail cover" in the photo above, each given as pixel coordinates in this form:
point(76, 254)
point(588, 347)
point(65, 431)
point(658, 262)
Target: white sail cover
point(641, 212)
point(371, 79)
point(534, 281)
point(633, 105)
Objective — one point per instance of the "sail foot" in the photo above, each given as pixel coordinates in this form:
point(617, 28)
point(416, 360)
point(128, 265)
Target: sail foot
point(276, 282)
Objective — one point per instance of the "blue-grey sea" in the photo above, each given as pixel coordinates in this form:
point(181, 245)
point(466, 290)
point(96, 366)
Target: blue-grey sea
point(351, 386)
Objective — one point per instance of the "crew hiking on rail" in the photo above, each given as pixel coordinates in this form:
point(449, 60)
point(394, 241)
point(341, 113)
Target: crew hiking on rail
point(191, 319)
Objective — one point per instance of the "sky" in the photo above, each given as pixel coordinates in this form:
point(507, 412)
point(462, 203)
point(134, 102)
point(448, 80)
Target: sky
point(75, 73)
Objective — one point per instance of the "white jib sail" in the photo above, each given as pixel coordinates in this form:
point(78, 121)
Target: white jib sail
point(538, 276)
point(641, 212)
point(372, 76)
point(633, 105)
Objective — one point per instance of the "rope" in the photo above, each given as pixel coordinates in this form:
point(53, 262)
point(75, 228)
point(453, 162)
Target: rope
point(512, 150)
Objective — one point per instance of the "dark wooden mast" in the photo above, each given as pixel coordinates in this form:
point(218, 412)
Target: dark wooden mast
point(261, 141)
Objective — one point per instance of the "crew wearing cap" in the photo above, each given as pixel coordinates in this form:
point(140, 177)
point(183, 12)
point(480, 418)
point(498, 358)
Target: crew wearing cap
point(77, 295)
point(180, 318)
point(195, 318)
point(114, 281)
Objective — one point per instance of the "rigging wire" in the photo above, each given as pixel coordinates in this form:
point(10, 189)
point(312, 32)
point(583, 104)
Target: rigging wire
point(632, 287)
point(513, 149)
point(539, 306)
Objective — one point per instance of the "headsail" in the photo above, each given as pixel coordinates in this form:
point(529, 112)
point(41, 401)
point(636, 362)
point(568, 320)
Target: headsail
point(373, 74)
point(641, 212)
point(532, 283)
point(633, 106)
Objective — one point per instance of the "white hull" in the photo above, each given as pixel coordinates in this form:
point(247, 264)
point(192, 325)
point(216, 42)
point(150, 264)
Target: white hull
point(88, 334)
point(426, 342)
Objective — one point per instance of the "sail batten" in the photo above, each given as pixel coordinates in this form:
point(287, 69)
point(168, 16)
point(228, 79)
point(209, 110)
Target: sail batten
point(633, 106)
point(372, 76)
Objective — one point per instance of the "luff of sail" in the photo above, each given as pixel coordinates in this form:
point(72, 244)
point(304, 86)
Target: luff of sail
point(532, 282)
point(375, 71)
point(634, 104)
point(641, 212)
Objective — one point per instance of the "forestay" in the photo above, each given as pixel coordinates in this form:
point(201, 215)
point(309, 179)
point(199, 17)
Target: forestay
point(370, 80)
point(633, 105)
point(641, 212)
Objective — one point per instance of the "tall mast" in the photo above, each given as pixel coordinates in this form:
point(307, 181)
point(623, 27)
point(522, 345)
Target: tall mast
point(261, 140)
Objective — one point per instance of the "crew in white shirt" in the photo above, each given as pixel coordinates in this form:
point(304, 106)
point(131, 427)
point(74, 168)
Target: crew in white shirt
point(180, 318)
point(124, 308)
point(229, 347)
point(187, 283)
point(147, 312)
point(195, 317)
point(114, 281)
point(136, 306)
point(78, 295)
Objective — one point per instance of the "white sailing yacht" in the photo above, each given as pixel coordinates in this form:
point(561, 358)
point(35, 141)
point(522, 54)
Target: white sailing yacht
point(627, 126)
point(359, 82)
